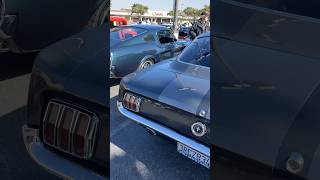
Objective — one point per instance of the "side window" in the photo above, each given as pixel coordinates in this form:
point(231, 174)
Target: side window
point(135, 41)
point(198, 52)
point(308, 8)
point(148, 38)
point(165, 36)
point(125, 33)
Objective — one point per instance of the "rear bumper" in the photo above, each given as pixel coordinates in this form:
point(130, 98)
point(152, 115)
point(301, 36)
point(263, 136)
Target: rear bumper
point(51, 161)
point(165, 131)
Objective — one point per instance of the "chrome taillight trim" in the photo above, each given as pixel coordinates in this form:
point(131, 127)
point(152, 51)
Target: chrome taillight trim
point(44, 123)
point(128, 104)
point(90, 134)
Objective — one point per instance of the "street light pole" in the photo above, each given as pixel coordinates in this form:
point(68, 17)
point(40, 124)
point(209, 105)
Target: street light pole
point(175, 15)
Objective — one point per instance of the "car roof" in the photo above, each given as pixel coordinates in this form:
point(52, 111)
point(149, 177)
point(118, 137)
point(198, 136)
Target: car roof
point(148, 26)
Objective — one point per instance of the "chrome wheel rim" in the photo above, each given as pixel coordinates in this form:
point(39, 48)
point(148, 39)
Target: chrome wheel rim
point(146, 64)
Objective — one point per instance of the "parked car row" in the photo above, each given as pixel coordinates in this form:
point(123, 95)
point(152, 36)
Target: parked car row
point(67, 128)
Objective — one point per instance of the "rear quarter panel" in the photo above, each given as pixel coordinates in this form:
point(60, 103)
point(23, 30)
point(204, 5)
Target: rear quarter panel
point(128, 58)
point(41, 23)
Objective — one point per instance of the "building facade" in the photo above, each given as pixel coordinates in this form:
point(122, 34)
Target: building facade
point(152, 16)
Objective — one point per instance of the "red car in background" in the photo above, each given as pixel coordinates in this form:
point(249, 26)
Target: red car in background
point(117, 21)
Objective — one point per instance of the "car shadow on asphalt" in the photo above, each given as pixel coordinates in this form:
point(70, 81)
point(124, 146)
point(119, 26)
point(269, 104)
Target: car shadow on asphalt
point(14, 65)
point(15, 162)
point(146, 156)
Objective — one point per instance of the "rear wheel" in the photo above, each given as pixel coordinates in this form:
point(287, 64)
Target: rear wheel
point(146, 64)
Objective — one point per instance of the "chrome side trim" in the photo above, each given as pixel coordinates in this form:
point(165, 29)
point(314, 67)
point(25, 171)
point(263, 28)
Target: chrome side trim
point(164, 130)
point(52, 162)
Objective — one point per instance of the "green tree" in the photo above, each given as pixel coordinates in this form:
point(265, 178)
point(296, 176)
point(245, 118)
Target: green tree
point(205, 8)
point(139, 9)
point(170, 13)
point(191, 12)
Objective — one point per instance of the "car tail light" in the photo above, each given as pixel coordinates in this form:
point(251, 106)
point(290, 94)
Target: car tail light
point(70, 129)
point(63, 128)
point(80, 132)
point(131, 102)
point(52, 116)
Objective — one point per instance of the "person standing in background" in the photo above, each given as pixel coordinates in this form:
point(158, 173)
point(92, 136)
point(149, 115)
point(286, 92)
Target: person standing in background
point(200, 26)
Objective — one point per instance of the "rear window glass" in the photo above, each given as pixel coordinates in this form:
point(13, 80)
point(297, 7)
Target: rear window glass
point(125, 33)
point(165, 36)
point(198, 52)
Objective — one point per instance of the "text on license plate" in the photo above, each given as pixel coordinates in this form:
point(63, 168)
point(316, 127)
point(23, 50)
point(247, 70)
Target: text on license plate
point(193, 155)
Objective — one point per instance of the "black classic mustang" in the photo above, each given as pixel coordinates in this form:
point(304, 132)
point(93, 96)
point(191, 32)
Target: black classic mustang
point(266, 93)
point(172, 98)
point(68, 111)
point(32, 25)
point(137, 47)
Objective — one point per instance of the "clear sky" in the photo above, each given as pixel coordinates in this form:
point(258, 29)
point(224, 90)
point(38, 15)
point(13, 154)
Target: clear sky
point(161, 5)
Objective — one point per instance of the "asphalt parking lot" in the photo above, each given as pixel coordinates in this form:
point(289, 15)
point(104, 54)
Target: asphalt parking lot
point(15, 163)
point(135, 154)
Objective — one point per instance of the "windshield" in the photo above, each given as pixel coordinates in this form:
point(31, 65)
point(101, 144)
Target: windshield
point(198, 52)
point(125, 33)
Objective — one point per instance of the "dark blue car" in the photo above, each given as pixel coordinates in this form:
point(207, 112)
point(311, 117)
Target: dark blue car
point(137, 47)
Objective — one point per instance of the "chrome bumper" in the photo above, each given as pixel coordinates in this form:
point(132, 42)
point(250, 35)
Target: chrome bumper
point(164, 130)
point(52, 162)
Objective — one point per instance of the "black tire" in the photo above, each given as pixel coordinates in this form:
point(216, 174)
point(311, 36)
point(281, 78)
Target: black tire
point(101, 15)
point(146, 63)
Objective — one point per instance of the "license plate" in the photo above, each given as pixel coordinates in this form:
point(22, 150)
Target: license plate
point(193, 155)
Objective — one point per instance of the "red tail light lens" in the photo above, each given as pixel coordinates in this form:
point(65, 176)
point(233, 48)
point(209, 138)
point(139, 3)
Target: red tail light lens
point(131, 102)
point(51, 115)
point(70, 129)
point(80, 133)
point(126, 100)
point(63, 127)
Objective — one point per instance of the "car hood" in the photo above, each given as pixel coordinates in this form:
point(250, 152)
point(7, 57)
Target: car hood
point(181, 85)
